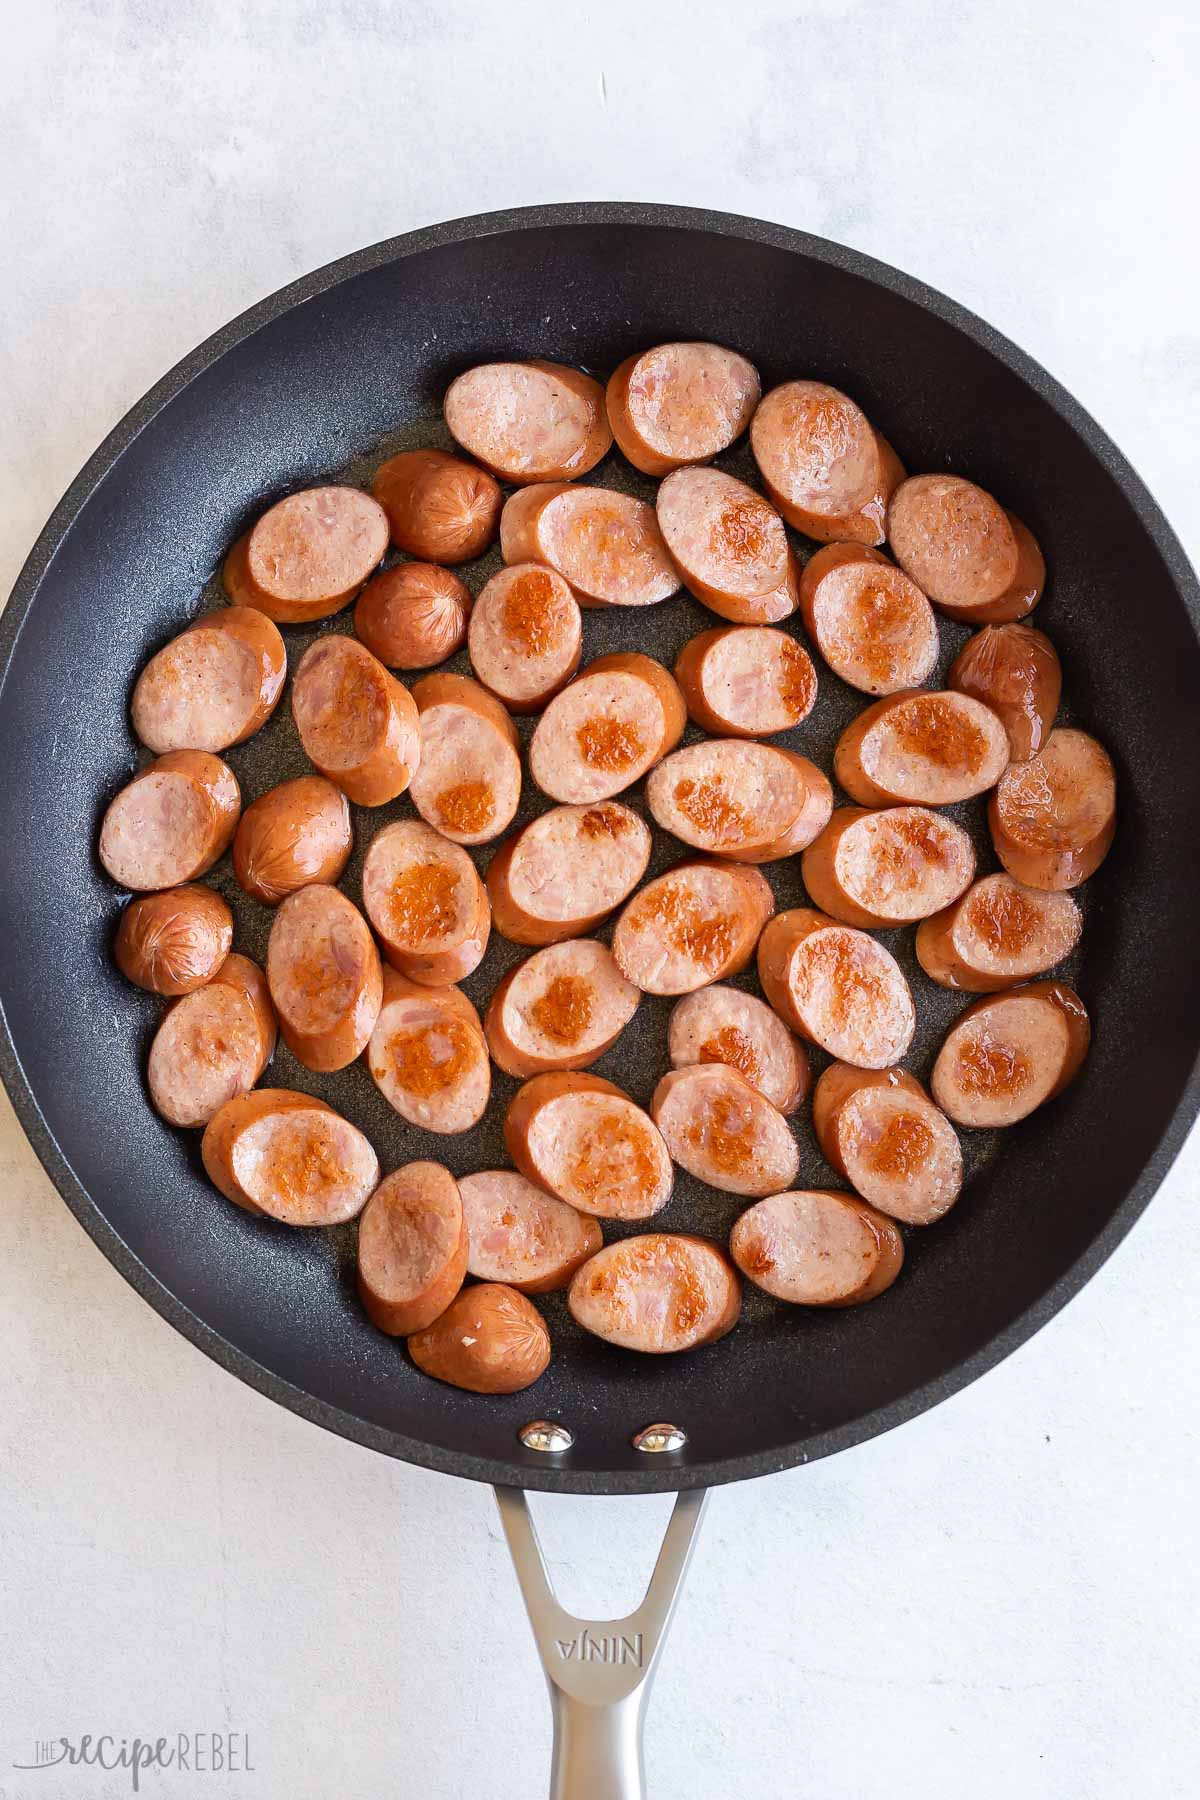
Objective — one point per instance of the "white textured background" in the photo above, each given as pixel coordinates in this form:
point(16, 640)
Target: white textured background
point(999, 1600)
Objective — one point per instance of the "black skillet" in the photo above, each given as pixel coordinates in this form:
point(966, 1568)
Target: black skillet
point(325, 378)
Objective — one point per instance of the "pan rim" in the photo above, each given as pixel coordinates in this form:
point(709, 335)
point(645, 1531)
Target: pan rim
point(522, 1470)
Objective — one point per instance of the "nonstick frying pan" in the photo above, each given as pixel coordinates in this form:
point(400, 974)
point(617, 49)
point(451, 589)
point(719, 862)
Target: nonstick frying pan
point(325, 378)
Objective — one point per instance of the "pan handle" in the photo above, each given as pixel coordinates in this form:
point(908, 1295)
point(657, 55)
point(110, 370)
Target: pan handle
point(599, 1670)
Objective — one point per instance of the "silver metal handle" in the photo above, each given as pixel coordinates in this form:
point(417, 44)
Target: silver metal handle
point(599, 1670)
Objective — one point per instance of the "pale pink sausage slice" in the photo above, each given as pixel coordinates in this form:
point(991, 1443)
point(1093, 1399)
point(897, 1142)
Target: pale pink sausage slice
point(746, 680)
point(1054, 817)
point(869, 620)
point(1015, 670)
point(974, 560)
point(606, 728)
point(294, 834)
point(723, 1025)
point(308, 555)
point(922, 749)
point(887, 867)
point(723, 1131)
point(468, 784)
point(837, 987)
point(175, 941)
point(586, 1141)
point(412, 1248)
point(823, 465)
point(814, 1247)
point(427, 1056)
point(680, 403)
point(357, 723)
point(525, 636)
point(750, 802)
point(289, 1156)
point(561, 1008)
point(729, 545)
point(879, 1129)
point(659, 1293)
point(520, 1235)
point(529, 421)
point(1009, 1053)
point(172, 822)
point(212, 1045)
point(998, 933)
point(564, 872)
point(426, 903)
point(214, 685)
point(606, 544)
point(697, 923)
point(324, 975)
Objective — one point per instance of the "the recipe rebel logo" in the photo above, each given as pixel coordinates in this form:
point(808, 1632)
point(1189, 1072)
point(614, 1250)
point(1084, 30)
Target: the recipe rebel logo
point(189, 1752)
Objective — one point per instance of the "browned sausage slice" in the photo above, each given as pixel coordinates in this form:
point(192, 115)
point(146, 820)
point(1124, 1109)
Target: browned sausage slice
point(294, 834)
point(814, 1247)
point(606, 544)
point(723, 1131)
point(308, 555)
point(922, 749)
point(173, 942)
point(212, 686)
point(829, 473)
point(747, 801)
point(697, 923)
point(879, 1129)
point(412, 1248)
point(413, 616)
point(586, 1141)
point(1015, 670)
point(746, 680)
point(1053, 818)
point(212, 1045)
point(563, 873)
point(837, 987)
point(889, 867)
point(439, 508)
point(561, 1008)
point(426, 902)
point(729, 545)
point(290, 1157)
point(974, 560)
point(529, 421)
point(324, 975)
point(998, 933)
point(871, 623)
point(468, 784)
point(172, 822)
point(490, 1340)
point(723, 1025)
point(680, 403)
point(356, 722)
point(427, 1055)
point(525, 636)
point(1010, 1053)
point(606, 728)
point(659, 1293)
point(518, 1234)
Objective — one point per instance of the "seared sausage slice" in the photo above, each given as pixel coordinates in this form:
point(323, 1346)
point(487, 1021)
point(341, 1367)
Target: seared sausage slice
point(427, 1055)
point(823, 465)
point(996, 934)
point(815, 1247)
point(356, 722)
point(746, 680)
point(659, 1293)
point(729, 545)
point(426, 902)
point(564, 872)
point(586, 1141)
point(439, 508)
point(412, 1248)
point(696, 924)
point(519, 1234)
point(289, 1156)
point(308, 555)
point(606, 728)
point(923, 749)
point(723, 1025)
point(490, 1340)
point(468, 784)
point(214, 685)
point(879, 1129)
point(175, 941)
point(1015, 670)
point(837, 987)
point(747, 801)
point(324, 975)
point(294, 834)
point(529, 421)
point(974, 560)
point(212, 1044)
point(606, 544)
point(869, 620)
point(413, 616)
point(561, 1008)
point(889, 867)
point(680, 403)
point(1010, 1053)
point(1053, 818)
point(723, 1131)
point(172, 822)
point(525, 636)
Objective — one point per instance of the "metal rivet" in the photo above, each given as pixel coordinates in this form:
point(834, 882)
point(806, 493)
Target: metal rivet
point(545, 1435)
point(656, 1438)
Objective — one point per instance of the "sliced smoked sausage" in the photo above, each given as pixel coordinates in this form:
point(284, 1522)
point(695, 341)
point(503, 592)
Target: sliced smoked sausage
point(680, 403)
point(606, 728)
point(746, 680)
point(426, 903)
point(174, 941)
point(212, 1045)
point(490, 1340)
point(586, 1141)
point(289, 1156)
point(412, 1248)
point(324, 975)
point(887, 867)
point(439, 508)
point(1015, 670)
point(731, 797)
point(606, 544)
point(1010, 1053)
point(998, 933)
point(519, 1234)
point(468, 784)
point(294, 834)
point(525, 636)
point(1053, 818)
point(729, 545)
point(427, 1055)
point(837, 987)
point(697, 923)
point(659, 1293)
point(529, 421)
point(814, 1247)
point(561, 1008)
point(308, 555)
point(723, 1131)
point(564, 872)
point(869, 620)
point(413, 616)
point(172, 822)
point(923, 749)
point(357, 723)
point(723, 1025)
point(879, 1129)
point(214, 685)
point(823, 465)
point(972, 558)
